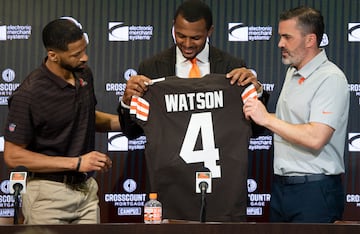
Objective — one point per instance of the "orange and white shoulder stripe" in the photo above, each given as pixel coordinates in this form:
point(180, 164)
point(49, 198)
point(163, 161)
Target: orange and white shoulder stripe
point(139, 107)
point(249, 92)
point(133, 104)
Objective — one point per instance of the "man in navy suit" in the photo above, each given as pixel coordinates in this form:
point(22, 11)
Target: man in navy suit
point(193, 25)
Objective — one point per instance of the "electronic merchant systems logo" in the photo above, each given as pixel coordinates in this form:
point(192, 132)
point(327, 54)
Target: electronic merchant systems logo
point(354, 32)
point(15, 32)
point(241, 32)
point(117, 141)
point(354, 142)
point(118, 31)
point(2, 32)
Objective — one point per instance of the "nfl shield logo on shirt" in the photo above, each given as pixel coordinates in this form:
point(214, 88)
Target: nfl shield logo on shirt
point(12, 127)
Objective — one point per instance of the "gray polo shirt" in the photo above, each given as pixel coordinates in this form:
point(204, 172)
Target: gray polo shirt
point(316, 93)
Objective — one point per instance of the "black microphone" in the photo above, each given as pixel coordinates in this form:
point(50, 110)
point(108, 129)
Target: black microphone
point(203, 186)
point(18, 180)
point(203, 182)
point(17, 185)
point(17, 188)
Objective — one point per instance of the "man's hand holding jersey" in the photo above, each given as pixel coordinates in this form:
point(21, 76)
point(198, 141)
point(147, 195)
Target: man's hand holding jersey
point(243, 76)
point(137, 85)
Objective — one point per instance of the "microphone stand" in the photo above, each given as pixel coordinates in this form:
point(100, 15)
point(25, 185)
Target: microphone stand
point(203, 187)
point(16, 209)
point(19, 181)
point(17, 188)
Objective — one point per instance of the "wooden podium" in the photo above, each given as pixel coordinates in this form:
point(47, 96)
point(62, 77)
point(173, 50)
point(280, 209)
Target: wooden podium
point(181, 227)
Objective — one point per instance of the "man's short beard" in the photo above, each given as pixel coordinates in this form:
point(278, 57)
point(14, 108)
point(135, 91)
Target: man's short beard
point(72, 69)
point(285, 61)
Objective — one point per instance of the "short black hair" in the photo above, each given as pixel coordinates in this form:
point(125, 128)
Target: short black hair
point(194, 10)
point(59, 33)
point(309, 20)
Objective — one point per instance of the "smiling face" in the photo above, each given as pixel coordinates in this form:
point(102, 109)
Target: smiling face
point(190, 37)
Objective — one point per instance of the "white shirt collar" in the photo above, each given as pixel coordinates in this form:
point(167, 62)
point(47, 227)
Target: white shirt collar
point(203, 56)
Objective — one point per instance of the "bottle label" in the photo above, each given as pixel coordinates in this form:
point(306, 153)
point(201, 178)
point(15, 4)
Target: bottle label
point(152, 214)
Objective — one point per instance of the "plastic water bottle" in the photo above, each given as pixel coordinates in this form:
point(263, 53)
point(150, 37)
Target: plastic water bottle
point(152, 210)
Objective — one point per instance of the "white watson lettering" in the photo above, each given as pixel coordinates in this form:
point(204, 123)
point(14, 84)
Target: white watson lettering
point(192, 101)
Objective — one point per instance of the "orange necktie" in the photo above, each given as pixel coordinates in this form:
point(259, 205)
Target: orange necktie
point(194, 71)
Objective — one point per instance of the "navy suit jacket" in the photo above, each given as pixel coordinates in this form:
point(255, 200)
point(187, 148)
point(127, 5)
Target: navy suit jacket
point(163, 64)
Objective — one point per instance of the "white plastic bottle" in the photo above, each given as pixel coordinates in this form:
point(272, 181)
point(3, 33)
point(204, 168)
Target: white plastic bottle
point(152, 210)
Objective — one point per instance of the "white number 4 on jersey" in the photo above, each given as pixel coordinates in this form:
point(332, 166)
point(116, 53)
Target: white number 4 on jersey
point(201, 123)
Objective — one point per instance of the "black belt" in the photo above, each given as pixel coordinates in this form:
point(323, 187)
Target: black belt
point(71, 178)
point(302, 179)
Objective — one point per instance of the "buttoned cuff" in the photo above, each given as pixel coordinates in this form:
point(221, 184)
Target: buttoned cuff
point(260, 91)
point(124, 105)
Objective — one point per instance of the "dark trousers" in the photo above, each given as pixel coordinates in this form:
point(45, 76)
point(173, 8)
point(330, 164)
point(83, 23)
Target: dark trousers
point(299, 200)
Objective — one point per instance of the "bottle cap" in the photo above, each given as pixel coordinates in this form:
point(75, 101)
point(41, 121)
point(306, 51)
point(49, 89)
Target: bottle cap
point(153, 196)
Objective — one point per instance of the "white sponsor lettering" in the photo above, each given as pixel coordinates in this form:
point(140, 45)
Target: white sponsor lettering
point(124, 197)
point(254, 211)
point(7, 212)
point(124, 211)
point(260, 143)
point(353, 198)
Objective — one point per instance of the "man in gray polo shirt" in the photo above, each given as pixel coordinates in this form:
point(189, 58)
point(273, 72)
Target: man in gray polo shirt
point(309, 125)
